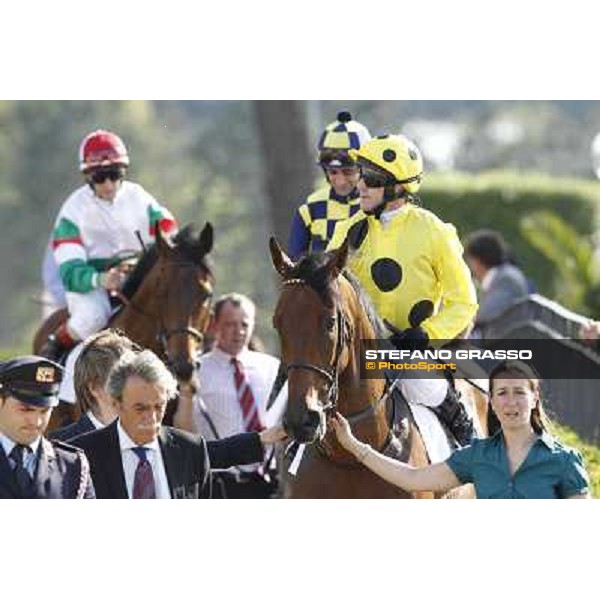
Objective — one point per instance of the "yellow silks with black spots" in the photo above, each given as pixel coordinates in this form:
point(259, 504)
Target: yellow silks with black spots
point(412, 268)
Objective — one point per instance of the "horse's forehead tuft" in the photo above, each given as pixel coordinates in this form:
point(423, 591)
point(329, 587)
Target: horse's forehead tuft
point(326, 296)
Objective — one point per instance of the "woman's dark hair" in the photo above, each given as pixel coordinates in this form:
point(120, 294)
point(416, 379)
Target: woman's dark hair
point(519, 370)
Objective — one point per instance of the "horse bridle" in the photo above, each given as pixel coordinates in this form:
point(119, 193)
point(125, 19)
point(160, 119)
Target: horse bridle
point(330, 374)
point(163, 335)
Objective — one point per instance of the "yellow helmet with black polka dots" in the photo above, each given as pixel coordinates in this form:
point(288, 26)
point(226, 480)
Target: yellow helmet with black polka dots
point(396, 156)
point(339, 138)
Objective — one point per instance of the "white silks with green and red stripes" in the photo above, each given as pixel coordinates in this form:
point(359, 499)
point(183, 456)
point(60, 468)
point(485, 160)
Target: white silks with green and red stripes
point(90, 234)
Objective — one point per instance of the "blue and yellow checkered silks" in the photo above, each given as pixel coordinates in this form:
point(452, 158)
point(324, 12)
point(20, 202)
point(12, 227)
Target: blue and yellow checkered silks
point(315, 220)
point(342, 135)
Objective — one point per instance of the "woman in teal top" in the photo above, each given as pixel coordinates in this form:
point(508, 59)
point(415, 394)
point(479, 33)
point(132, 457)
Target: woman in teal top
point(521, 460)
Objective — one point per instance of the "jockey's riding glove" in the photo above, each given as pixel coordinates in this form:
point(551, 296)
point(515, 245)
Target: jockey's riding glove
point(412, 338)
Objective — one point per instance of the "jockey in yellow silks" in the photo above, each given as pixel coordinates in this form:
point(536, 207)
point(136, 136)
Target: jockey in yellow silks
point(410, 263)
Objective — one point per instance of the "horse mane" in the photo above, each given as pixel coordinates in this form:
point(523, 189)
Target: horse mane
point(311, 269)
point(367, 305)
point(186, 245)
point(142, 268)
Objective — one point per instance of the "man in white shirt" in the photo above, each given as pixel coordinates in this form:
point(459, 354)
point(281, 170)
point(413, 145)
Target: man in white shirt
point(234, 388)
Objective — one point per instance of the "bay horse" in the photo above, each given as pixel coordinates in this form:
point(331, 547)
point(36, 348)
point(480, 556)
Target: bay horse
point(166, 305)
point(321, 316)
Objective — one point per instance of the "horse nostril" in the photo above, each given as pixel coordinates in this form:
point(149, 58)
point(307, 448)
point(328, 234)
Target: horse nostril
point(183, 370)
point(311, 420)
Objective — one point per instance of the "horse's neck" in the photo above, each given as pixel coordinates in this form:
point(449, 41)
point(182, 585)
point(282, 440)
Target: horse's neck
point(140, 317)
point(356, 395)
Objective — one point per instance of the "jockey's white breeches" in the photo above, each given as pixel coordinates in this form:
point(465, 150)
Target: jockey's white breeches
point(50, 304)
point(89, 312)
point(429, 392)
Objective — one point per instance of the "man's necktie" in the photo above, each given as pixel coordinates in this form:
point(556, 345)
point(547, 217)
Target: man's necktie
point(246, 398)
point(143, 483)
point(18, 454)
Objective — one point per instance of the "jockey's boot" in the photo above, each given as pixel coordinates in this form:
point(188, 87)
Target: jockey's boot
point(453, 413)
point(58, 344)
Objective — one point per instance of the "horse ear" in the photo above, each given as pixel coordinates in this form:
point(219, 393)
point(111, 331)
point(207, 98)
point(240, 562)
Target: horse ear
point(281, 261)
point(206, 238)
point(162, 244)
point(336, 260)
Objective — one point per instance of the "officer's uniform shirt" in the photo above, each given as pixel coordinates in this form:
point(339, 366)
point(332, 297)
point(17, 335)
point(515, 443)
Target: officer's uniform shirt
point(130, 462)
point(411, 265)
point(30, 459)
point(314, 221)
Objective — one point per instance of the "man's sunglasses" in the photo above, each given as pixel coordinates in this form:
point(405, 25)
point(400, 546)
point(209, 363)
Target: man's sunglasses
point(373, 179)
point(102, 175)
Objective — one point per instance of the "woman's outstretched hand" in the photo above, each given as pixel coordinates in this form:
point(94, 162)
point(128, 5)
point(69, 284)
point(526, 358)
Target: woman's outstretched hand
point(343, 432)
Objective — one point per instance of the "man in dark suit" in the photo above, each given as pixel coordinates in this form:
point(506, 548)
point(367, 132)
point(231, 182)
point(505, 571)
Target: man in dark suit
point(99, 354)
point(137, 457)
point(30, 465)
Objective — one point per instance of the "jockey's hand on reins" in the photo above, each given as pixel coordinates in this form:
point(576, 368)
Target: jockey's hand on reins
point(412, 338)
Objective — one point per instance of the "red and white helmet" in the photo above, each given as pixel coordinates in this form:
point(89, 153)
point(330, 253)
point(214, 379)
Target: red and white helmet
point(102, 149)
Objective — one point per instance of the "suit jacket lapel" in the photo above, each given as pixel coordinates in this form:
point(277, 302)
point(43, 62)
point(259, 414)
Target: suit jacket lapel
point(85, 425)
point(169, 455)
point(115, 475)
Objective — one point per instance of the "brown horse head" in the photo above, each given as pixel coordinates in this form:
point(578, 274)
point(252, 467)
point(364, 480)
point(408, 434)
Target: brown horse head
point(170, 295)
point(315, 331)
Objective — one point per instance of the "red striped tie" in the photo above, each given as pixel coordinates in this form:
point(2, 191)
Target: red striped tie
point(246, 398)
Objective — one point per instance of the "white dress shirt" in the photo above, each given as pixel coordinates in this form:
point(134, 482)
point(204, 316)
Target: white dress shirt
point(130, 463)
point(218, 394)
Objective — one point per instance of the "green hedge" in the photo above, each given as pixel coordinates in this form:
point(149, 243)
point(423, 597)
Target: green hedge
point(500, 199)
point(590, 453)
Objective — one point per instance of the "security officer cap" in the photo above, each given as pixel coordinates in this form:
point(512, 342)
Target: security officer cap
point(31, 379)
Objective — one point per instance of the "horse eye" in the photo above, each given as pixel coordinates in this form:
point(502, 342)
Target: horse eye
point(330, 323)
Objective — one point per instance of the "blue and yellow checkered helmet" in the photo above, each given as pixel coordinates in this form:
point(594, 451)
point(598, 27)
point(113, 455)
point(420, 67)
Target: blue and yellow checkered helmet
point(395, 155)
point(339, 137)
